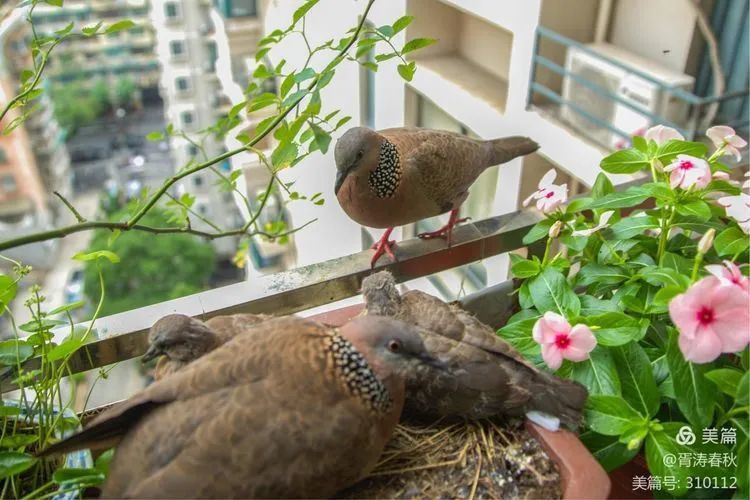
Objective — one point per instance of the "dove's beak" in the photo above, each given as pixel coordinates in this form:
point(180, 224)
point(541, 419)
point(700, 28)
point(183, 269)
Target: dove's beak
point(340, 178)
point(151, 353)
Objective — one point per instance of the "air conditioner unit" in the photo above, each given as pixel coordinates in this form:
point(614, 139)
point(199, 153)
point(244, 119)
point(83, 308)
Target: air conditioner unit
point(619, 81)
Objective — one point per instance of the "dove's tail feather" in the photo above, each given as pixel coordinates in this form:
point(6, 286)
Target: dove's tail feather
point(507, 148)
point(102, 434)
point(562, 398)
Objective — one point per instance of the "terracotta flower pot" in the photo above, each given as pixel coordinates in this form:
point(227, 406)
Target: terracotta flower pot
point(581, 474)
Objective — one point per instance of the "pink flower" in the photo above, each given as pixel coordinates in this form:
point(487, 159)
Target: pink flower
point(603, 222)
point(687, 171)
point(661, 134)
point(725, 137)
point(559, 340)
point(738, 208)
point(729, 275)
point(711, 319)
point(549, 196)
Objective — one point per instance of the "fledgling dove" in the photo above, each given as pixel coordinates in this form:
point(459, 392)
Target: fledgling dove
point(177, 339)
point(397, 176)
point(485, 375)
point(289, 408)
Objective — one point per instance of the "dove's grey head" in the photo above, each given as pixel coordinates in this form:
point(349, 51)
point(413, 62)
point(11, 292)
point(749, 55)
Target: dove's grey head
point(180, 338)
point(381, 295)
point(390, 346)
point(358, 149)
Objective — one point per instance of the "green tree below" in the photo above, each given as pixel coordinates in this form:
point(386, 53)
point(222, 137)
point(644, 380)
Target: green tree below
point(153, 268)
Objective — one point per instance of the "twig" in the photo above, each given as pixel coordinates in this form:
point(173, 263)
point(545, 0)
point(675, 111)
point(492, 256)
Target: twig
point(213, 226)
point(132, 223)
point(75, 212)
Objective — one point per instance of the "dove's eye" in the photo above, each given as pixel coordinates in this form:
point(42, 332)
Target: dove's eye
point(394, 346)
point(360, 154)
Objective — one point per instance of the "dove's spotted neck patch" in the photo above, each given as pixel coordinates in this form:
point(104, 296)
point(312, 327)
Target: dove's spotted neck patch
point(385, 178)
point(361, 381)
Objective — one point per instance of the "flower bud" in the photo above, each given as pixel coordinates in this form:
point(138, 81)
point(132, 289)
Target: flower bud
point(704, 245)
point(554, 231)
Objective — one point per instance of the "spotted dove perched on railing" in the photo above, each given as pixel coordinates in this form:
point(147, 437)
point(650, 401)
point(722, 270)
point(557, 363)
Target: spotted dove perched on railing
point(287, 407)
point(398, 176)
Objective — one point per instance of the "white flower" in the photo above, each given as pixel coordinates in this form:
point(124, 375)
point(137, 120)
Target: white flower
point(738, 208)
point(542, 186)
point(553, 197)
point(603, 222)
point(687, 171)
point(661, 134)
point(725, 137)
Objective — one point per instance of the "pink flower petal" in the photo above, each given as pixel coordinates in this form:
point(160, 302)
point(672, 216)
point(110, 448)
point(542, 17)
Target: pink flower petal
point(582, 342)
point(736, 141)
point(719, 133)
point(661, 134)
point(702, 348)
point(552, 356)
point(548, 178)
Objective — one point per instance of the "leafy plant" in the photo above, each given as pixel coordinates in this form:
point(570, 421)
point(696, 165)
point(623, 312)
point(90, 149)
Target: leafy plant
point(661, 324)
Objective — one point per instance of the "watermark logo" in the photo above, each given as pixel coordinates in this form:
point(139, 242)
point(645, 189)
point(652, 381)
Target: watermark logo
point(685, 436)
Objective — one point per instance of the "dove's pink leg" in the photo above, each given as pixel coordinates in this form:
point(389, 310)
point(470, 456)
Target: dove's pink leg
point(384, 245)
point(447, 230)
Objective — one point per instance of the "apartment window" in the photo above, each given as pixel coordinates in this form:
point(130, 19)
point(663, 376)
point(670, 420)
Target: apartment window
point(198, 180)
point(213, 55)
point(187, 118)
point(237, 8)
point(8, 183)
point(192, 150)
point(202, 209)
point(182, 83)
point(177, 48)
point(171, 10)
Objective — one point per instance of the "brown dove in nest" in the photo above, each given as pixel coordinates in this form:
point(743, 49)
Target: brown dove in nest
point(485, 376)
point(177, 339)
point(397, 176)
point(287, 408)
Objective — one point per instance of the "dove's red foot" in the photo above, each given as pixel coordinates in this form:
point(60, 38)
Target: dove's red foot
point(447, 230)
point(384, 245)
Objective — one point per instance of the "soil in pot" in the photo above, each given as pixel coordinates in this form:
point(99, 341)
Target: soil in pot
point(474, 459)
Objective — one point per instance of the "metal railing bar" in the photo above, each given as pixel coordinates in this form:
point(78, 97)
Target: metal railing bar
point(604, 92)
point(123, 336)
point(675, 90)
point(551, 94)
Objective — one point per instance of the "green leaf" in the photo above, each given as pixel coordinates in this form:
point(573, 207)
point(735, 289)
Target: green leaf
point(103, 461)
point(629, 198)
point(598, 273)
point(261, 53)
point(743, 391)
point(294, 98)
point(342, 122)
point(8, 289)
point(384, 57)
point(676, 262)
point(625, 161)
point(387, 31)
point(695, 395)
point(598, 373)
point(401, 23)
point(593, 306)
point(99, 254)
point(636, 378)
point(92, 30)
point(523, 268)
point(18, 440)
point(602, 186)
point(614, 328)
point(371, 66)
point(518, 334)
point(301, 11)
point(14, 352)
point(539, 231)
point(124, 24)
point(698, 209)
point(672, 148)
point(322, 138)
point(12, 463)
point(664, 276)
point(731, 241)
point(261, 101)
point(68, 346)
point(407, 70)
point(87, 477)
point(416, 44)
point(743, 475)
point(665, 295)
point(610, 415)
point(633, 226)
point(609, 452)
point(726, 379)
point(662, 443)
point(67, 307)
point(155, 136)
point(9, 411)
point(303, 75)
point(550, 291)
point(283, 156)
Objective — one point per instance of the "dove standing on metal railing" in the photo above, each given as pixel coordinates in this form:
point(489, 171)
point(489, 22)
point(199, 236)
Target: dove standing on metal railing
point(287, 408)
point(397, 176)
point(484, 375)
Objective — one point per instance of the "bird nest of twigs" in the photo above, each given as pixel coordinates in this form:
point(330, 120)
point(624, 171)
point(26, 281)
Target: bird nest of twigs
point(474, 459)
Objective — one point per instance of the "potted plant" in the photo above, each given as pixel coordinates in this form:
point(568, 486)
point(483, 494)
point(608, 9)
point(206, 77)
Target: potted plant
point(642, 296)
